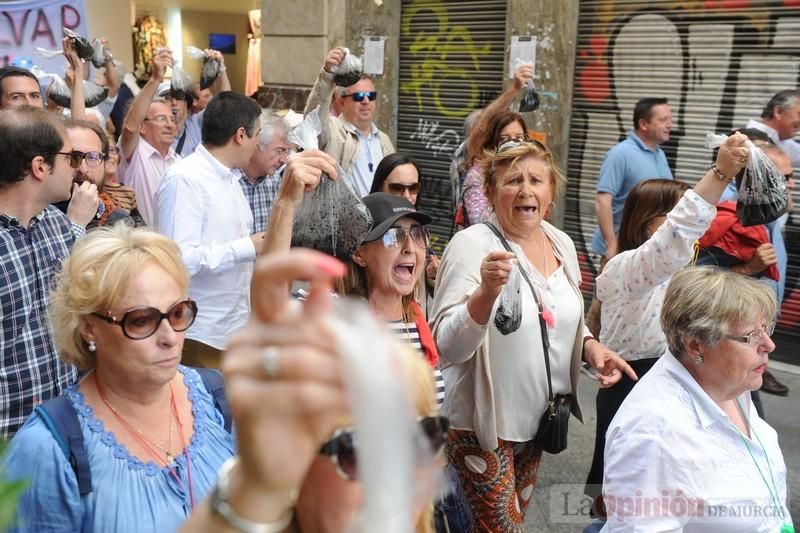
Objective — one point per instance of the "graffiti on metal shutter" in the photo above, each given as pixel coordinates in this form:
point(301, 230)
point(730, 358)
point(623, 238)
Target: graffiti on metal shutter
point(718, 63)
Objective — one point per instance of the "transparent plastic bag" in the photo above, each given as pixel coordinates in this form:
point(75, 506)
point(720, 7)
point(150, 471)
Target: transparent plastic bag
point(331, 218)
point(100, 55)
point(180, 79)
point(762, 188)
point(508, 316)
point(210, 70)
point(530, 98)
point(59, 92)
point(82, 45)
point(349, 71)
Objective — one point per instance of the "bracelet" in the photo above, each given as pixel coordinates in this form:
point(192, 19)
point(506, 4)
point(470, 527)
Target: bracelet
point(221, 507)
point(722, 177)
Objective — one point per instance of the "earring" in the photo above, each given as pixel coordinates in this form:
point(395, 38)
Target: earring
point(698, 359)
point(92, 346)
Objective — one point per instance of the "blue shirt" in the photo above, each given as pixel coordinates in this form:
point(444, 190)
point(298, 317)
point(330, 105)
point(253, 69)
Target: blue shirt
point(369, 155)
point(625, 165)
point(30, 370)
point(127, 495)
point(261, 195)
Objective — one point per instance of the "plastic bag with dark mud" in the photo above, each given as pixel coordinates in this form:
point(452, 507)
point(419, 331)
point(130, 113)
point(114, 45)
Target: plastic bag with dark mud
point(59, 92)
point(100, 54)
point(508, 316)
point(331, 218)
point(349, 71)
point(762, 188)
point(83, 47)
point(210, 70)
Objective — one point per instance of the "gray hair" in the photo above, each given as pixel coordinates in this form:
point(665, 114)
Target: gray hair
point(707, 303)
point(271, 127)
point(783, 100)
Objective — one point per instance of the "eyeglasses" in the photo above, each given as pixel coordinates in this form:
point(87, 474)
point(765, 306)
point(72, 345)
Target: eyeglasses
point(360, 95)
point(76, 157)
point(342, 446)
point(514, 143)
point(754, 337)
point(140, 323)
point(162, 119)
point(399, 189)
point(517, 139)
point(395, 237)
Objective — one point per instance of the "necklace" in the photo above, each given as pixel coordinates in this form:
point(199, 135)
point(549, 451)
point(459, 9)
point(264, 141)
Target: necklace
point(146, 443)
point(773, 489)
point(133, 429)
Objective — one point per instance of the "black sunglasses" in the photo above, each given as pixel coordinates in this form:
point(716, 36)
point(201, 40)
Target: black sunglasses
point(76, 157)
point(360, 95)
point(142, 322)
point(400, 188)
point(342, 446)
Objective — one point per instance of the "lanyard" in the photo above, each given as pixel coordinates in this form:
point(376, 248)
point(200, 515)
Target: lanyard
point(366, 141)
point(773, 489)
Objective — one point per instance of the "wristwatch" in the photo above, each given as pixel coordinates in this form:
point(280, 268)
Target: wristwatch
point(221, 507)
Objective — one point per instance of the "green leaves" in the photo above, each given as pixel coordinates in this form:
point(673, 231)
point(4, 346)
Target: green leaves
point(10, 493)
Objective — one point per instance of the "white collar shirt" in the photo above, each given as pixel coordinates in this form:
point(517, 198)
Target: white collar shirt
point(142, 171)
point(369, 156)
point(790, 146)
point(201, 206)
point(675, 462)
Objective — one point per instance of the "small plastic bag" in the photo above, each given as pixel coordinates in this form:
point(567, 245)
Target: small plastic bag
point(210, 70)
point(530, 98)
point(180, 79)
point(101, 55)
point(349, 71)
point(508, 316)
point(331, 218)
point(762, 188)
point(82, 45)
point(59, 92)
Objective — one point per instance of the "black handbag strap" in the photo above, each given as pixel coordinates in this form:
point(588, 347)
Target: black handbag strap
point(542, 323)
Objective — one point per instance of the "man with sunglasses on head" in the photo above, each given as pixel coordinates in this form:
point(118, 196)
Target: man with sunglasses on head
point(352, 138)
point(35, 237)
point(145, 146)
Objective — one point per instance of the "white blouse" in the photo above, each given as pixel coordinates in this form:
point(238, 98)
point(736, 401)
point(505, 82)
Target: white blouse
point(632, 284)
point(675, 462)
point(496, 384)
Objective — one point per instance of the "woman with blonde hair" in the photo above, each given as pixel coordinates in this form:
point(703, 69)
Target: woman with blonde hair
point(504, 370)
point(148, 436)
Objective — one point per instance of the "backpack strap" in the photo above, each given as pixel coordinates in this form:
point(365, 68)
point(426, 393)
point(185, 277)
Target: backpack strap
point(215, 385)
point(61, 419)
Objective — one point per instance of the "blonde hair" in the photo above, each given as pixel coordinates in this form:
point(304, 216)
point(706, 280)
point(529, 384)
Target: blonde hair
point(706, 303)
point(97, 276)
point(501, 160)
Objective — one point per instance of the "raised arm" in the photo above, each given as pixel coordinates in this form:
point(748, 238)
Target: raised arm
point(479, 131)
point(129, 139)
point(223, 82)
point(76, 75)
point(111, 75)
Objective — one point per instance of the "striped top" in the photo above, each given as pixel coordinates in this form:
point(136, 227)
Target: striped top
point(408, 332)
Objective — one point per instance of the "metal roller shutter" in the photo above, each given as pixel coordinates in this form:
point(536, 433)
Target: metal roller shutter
point(717, 61)
point(451, 62)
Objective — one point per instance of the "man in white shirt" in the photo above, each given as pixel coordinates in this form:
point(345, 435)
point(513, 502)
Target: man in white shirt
point(201, 206)
point(780, 119)
point(145, 151)
point(352, 139)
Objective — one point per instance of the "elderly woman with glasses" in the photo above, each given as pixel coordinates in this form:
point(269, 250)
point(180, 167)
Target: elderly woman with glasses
point(500, 379)
point(687, 450)
point(151, 435)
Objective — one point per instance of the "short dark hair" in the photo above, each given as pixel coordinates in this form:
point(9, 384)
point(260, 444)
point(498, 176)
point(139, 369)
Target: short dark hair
point(72, 123)
point(647, 200)
point(385, 167)
point(643, 110)
point(225, 114)
point(27, 132)
point(783, 99)
point(12, 72)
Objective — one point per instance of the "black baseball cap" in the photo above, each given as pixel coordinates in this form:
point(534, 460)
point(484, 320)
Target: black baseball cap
point(386, 209)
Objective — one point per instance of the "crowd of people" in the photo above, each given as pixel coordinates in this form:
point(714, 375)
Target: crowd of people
point(151, 285)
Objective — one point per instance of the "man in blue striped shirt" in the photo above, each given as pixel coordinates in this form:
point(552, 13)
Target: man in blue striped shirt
point(35, 237)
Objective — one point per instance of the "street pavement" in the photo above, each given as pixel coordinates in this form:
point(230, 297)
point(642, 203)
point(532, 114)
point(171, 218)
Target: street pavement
point(571, 466)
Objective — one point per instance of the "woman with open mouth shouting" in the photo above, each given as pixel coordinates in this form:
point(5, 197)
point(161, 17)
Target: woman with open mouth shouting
point(502, 375)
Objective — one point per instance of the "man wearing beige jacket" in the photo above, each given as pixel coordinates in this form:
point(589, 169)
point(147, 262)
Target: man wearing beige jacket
point(352, 138)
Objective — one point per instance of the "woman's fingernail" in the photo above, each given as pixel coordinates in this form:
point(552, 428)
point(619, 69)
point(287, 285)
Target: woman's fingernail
point(331, 265)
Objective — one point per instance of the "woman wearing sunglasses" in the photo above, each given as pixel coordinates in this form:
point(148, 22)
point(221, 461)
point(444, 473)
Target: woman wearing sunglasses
point(296, 468)
point(399, 175)
point(153, 438)
point(498, 381)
